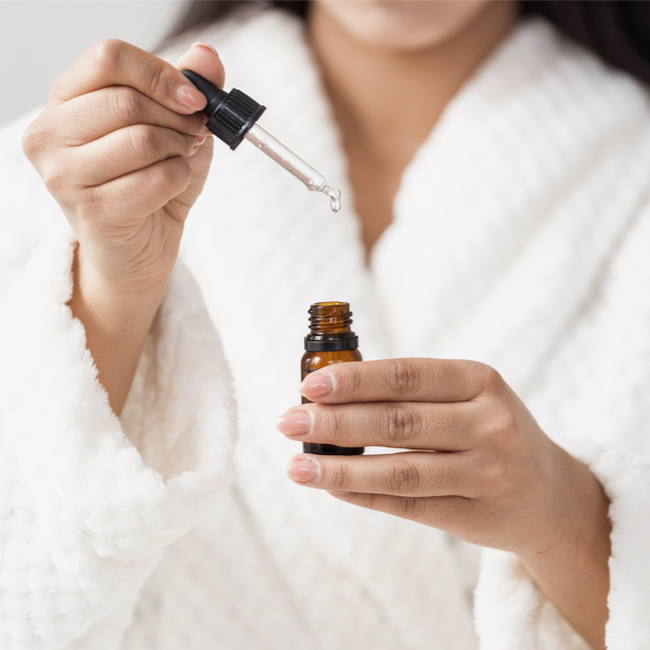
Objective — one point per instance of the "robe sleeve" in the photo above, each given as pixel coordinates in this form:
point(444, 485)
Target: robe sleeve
point(88, 503)
point(604, 421)
point(512, 613)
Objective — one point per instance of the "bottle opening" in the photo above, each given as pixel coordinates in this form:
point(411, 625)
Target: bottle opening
point(331, 317)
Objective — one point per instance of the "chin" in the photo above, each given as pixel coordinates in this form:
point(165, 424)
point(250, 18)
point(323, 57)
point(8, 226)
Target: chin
point(406, 25)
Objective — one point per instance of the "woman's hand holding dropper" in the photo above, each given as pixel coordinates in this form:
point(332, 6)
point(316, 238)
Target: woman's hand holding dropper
point(122, 149)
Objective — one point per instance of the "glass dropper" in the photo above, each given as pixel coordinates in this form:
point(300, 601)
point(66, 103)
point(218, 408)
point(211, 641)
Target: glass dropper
point(232, 117)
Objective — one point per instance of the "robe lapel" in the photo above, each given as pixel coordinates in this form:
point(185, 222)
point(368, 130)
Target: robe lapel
point(508, 211)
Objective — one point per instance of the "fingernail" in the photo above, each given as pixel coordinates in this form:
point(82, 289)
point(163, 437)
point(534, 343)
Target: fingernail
point(197, 140)
point(303, 470)
point(294, 423)
point(190, 97)
point(206, 46)
point(316, 385)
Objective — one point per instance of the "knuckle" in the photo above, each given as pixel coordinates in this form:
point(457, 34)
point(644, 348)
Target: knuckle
point(327, 422)
point(412, 507)
point(108, 55)
point(491, 479)
point(334, 422)
point(340, 476)
point(353, 378)
point(488, 379)
point(501, 428)
point(126, 102)
point(53, 179)
point(457, 513)
point(33, 140)
point(55, 88)
point(402, 423)
point(404, 477)
point(404, 377)
point(91, 202)
point(144, 142)
point(58, 177)
point(157, 177)
point(156, 80)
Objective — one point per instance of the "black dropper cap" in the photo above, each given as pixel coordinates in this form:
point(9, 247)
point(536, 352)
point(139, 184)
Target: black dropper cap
point(230, 115)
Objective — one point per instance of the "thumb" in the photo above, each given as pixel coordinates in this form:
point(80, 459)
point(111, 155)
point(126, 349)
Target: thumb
point(204, 60)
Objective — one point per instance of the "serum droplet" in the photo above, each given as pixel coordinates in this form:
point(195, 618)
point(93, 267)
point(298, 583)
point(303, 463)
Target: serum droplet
point(335, 197)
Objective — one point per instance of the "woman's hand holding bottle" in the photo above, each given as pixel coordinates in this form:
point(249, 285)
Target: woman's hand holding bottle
point(123, 151)
point(478, 466)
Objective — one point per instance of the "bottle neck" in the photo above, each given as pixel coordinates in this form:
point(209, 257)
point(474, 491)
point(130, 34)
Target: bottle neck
point(329, 324)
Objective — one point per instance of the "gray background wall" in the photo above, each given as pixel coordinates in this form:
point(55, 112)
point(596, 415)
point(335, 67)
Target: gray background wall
point(41, 38)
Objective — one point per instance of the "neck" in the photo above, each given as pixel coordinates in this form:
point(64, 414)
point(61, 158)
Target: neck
point(369, 86)
point(387, 101)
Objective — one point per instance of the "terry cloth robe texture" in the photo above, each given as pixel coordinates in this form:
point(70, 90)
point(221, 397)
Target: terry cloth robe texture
point(520, 239)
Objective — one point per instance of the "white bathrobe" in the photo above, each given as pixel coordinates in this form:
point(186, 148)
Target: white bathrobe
point(520, 239)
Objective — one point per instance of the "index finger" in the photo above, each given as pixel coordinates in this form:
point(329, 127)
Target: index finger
point(115, 63)
point(398, 380)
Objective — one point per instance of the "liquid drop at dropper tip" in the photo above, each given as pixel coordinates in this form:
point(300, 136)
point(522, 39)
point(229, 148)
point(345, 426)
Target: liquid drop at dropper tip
point(335, 197)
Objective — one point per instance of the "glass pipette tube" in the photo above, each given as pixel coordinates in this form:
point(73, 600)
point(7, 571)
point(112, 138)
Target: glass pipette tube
point(313, 180)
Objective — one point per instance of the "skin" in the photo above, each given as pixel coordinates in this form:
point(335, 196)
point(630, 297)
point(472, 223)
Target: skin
point(121, 150)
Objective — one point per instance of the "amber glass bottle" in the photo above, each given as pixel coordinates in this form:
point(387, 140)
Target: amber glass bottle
point(330, 341)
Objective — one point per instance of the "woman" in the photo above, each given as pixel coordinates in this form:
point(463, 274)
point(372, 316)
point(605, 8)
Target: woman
point(512, 233)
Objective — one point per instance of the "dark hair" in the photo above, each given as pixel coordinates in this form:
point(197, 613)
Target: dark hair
point(618, 31)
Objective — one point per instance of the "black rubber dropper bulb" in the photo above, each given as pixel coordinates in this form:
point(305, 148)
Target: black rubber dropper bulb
point(232, 117)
